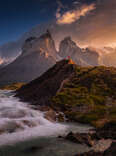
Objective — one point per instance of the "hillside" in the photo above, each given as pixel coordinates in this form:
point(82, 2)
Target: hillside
point(41, 90)
point(84, 94)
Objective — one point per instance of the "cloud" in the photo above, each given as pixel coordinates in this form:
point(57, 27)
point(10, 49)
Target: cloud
point(60, 6)
point(1, 61)
point(99, 28)
point(73, 15)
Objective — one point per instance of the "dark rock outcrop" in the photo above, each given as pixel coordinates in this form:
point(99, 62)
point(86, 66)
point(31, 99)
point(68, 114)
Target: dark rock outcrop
point(40, 91)
point(91, 153)
point(111, 151)
point(108, 131)
point(80, 138)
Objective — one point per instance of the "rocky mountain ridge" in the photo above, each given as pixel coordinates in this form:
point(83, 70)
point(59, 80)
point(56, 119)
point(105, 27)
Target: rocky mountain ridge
point(39, 54)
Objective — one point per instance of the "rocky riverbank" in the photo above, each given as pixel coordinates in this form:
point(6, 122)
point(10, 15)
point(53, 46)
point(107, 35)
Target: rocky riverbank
point(101, 141)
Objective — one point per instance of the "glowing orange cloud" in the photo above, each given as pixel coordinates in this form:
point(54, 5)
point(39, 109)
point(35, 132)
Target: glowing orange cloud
point(74, 15)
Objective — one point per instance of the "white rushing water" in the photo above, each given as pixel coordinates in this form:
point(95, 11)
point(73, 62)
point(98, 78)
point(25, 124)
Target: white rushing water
point(19, 122)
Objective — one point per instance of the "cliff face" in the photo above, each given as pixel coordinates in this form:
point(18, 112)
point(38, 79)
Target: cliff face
point(83, 94)
point(69, 48)
point(43, 44)
point(38, 55)
point(81, 57)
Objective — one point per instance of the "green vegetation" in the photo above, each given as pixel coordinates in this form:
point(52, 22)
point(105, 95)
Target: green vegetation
point(89, 96)
point(13, 86)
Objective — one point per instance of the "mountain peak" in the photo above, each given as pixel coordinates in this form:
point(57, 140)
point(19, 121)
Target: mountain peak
point(46, 35)
point(69, 48)
point(30, 39)
point(43, 44)
point(68, 40)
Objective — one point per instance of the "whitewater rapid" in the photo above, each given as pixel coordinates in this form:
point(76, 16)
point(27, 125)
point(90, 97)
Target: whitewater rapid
point(19, 122)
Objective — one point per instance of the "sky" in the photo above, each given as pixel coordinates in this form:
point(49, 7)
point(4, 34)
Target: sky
point(89, 22)
point(19, 16)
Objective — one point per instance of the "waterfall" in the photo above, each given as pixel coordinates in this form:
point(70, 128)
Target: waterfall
point(18, 121)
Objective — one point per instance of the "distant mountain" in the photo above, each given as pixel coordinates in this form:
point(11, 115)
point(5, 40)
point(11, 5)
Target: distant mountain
point(13, 49)
point(83, 57)
point(38, 55)
point(9, 51)
point(107, 56)
point(109, 59)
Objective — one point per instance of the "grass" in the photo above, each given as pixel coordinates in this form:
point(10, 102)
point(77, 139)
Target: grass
point(13, 86)
point(85, 98)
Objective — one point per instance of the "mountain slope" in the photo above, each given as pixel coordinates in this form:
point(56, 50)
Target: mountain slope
point(38, 55)
point(47, 85)
point(83, 57)
point(84, 94)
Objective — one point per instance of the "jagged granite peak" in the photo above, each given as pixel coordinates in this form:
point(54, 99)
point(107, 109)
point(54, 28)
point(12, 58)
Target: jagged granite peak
point(68, 40)
point(68, 47)
point(38, 55)
point(42, 44)
point(86, 57)
point(30, 39)
point(46, 35)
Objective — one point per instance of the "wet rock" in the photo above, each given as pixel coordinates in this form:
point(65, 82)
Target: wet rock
point(102, 145)
point(60, 137)
point(61, 117)
point(32, 149)
point(91, 153)
point(11, 127)
point(29, 123)
point(107, 131)
point(111, 151)
point(50, 115)
point(80, 138)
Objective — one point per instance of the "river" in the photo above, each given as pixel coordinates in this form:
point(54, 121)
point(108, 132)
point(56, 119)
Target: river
point(25, 131)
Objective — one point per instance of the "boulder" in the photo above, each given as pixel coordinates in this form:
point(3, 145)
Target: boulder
point(80, 138)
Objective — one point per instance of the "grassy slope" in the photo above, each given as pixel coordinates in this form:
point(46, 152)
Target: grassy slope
point(13, 86)
point(90, 96)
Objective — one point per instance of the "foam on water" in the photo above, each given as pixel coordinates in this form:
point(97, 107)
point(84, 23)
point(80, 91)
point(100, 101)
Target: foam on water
point(19, 122)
